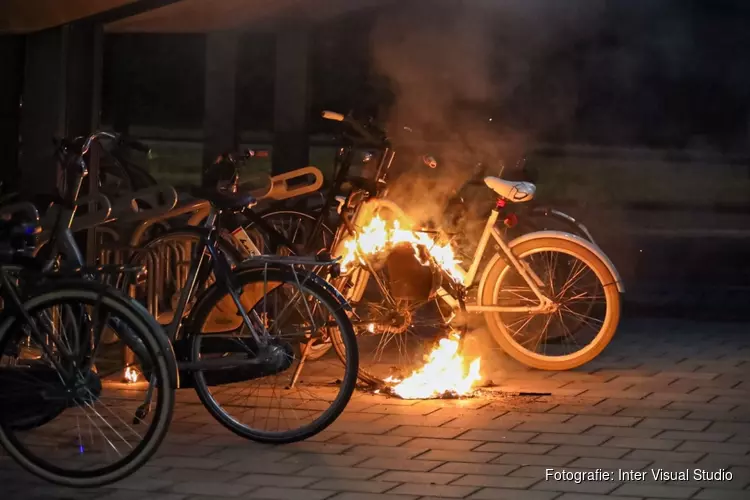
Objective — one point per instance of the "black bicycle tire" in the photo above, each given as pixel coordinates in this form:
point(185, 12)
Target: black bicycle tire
point(148, 332)
point(347, 385)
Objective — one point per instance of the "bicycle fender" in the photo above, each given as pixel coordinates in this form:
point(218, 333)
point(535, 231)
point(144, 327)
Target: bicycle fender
point(562, 216)
point(559, 235)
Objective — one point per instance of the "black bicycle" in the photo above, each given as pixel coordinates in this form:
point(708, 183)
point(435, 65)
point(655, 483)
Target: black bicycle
point(240, 329)
point(65, 414)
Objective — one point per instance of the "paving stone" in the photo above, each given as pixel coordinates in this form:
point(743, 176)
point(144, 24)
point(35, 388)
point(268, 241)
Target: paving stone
point(340, 472)
point(709, 447)
point(313, 447)
point(443, 444)
point(457, 456)
point(665, 456)
point(584, 410)
point(272, 493)
point(669, 424)
point(371, 496)
point(495, 481)
point(417, 477)
point(525, 459)
point(631, 432)
point(434, 490)
point(475, 468)
point(190, 462)
point(589, 451)
point(353, 485)
point(624, 394)
point(121, 495)
point(144, 484)
point(586, 496)
point(679, 396)
point(273, 480)
point(572, 486)
point(655, 490)
point(323, 459)
point(644, 443)
point(399, 464)
point(610, 464)
point(721, 494)
point(257, 466)
point(695, 436)
point(725, 460)
point(558, 428)
point(511, 494)
point(425, 432)
point(652, 413)
point(385, 451)
point(350, 438)
point(502, 436)
point(516, 448)
point(202, 475)
point(207, 488)
point(571, 439)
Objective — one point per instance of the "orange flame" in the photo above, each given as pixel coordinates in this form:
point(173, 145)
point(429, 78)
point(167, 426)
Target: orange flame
point(131, 375)
point(379, 236)
point(444, 374)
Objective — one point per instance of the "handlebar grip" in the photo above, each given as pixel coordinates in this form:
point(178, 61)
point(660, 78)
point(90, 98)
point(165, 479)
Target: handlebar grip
point(332, 115)
point(136, 145)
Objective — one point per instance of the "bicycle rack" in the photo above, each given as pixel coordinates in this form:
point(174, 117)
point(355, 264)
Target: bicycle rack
point(168, 264)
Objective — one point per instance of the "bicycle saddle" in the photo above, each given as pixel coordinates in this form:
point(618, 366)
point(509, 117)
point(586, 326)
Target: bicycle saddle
point(224, 200)
point(517, 192)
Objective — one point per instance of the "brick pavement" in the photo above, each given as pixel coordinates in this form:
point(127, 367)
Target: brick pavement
point(665, 395)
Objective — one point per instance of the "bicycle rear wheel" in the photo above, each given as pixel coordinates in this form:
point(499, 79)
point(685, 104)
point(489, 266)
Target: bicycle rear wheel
point(264, 395)
point(80, 417)
point(583, 289)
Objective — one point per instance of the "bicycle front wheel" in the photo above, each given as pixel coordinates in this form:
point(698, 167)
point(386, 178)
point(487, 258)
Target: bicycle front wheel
point(272, 393)
point(583, 320)
point(75, 410)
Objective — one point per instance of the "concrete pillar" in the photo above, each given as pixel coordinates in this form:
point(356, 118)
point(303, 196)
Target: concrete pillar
point(60, 97)
point(291, 99)
point(219, 118)
point(11, 81)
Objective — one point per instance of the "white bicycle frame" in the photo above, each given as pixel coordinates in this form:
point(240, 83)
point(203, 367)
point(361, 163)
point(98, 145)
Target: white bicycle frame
point(361, 275)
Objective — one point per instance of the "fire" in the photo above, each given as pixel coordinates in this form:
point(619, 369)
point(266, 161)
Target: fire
point(379, 236)
point(131, 375)
point(444, 374)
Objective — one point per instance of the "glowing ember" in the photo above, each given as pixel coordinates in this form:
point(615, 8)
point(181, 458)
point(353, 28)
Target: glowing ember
point(379, 236)
point(131, 375)
point(444, 374)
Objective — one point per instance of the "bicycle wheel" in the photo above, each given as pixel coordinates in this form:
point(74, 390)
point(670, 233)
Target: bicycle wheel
point(264, 399)
point(91, 427)
point(296, 227)
point(584, 291)
point(393, 338)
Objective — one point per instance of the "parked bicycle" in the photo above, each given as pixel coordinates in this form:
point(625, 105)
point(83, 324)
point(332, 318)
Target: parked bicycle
point(64, 413)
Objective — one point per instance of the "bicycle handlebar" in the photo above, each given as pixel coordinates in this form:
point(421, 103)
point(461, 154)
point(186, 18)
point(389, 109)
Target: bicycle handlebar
point(354, 124)
point(93, 137)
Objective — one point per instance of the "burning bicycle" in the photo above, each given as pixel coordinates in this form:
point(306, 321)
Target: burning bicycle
point(550, 299)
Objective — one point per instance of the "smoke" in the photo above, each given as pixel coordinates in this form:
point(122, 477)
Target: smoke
point(475, 83)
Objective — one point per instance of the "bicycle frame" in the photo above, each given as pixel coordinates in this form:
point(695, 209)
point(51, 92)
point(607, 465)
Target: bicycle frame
point(490, 231)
